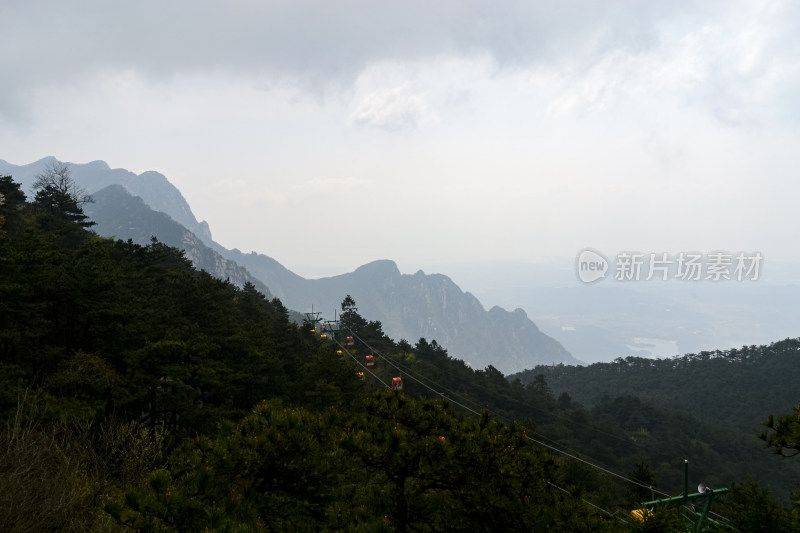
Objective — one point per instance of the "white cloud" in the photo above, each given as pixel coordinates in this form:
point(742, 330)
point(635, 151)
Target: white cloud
point(394, 108)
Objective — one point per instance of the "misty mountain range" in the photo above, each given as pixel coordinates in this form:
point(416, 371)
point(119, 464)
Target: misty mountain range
point(137, 207)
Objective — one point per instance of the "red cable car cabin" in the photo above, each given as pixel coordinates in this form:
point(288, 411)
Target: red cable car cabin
point(349, 343)
point(397, 384)
point(369, 361)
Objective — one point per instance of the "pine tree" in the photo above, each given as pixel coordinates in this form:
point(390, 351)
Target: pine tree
point(59, 198)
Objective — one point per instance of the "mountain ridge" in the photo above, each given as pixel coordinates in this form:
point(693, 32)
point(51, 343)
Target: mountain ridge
point(409, 306)
point(117, 213)
point(153, 187)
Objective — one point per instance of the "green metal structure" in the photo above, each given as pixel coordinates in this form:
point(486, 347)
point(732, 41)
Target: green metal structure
point(706, 497)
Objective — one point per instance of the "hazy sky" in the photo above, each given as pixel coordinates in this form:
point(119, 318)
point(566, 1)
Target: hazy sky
point(336, 133)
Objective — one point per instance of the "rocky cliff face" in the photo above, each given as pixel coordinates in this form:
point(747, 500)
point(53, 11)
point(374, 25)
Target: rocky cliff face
point(119, 214)
point(434, 307)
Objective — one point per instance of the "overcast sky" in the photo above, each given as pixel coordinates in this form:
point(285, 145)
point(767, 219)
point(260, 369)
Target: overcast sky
point(329, 134)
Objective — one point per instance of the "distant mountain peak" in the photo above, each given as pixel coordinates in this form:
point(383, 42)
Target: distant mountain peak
point(381, 267)
point(98, 165)
point(115, 189)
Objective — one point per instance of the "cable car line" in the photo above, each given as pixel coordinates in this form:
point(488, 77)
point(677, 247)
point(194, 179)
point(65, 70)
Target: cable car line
point(609, 513)
point(531, 439)
point(551, 447)
point(507, 421)
point(403, 368)
point(407, 373)
point(392, 363)
point(360, 363)
point(607, 471)
point(534, 407)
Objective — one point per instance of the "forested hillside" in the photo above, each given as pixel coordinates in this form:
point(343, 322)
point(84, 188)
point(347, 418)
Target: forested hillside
point(736, 387)
point(148, 396)
point(727, 392)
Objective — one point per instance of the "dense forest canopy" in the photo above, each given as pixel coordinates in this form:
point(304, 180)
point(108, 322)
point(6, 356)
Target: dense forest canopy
point(735, 386)
point(152, 397)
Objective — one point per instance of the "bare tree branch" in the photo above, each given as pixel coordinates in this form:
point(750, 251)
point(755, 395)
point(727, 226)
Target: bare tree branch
point(58, 176)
